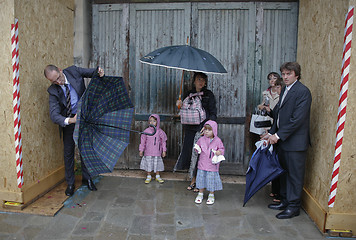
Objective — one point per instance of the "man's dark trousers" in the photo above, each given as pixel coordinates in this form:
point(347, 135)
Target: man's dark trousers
point(292, 181)
point(69, 148)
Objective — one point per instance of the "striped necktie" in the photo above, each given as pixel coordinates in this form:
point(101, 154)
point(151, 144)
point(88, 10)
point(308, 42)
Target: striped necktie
point(68, 103)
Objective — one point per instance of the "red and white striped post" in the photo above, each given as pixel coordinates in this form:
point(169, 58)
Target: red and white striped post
point(16, 101)
point(345, 70)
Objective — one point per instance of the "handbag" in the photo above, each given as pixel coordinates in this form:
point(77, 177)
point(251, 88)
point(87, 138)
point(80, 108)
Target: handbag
point(258, 123)
point(192, 111)
point(263, 124)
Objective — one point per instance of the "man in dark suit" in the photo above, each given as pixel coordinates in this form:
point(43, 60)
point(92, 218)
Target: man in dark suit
point(290, 134)
point(66, 89)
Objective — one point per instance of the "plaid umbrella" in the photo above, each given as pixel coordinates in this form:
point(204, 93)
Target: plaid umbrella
point(103, 123)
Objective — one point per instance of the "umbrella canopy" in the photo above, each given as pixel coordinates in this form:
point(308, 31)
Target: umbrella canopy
point(103, 123)
point(184, 57)
point(263, 168)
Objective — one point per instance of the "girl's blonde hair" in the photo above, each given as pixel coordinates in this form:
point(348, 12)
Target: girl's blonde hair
point(207, 126)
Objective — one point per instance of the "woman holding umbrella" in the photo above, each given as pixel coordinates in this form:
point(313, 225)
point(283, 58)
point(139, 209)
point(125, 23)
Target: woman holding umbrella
point(192, 132)
point(189, 58)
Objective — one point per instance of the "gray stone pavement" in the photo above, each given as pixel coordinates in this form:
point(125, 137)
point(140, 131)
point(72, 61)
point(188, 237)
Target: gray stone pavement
point(126, 208)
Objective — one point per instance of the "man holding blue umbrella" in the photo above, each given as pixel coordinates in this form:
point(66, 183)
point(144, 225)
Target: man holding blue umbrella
point(290, 133)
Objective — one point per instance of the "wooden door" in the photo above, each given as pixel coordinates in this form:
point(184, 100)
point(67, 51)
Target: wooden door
point(249, 38)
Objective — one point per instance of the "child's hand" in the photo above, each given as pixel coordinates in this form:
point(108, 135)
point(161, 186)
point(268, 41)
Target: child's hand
point(268, 109)
point(202, 131)
point(217, 153)
point(141, 154)
point(179, 103)
point(197, 148)
point(101, 72)
point(164, 154)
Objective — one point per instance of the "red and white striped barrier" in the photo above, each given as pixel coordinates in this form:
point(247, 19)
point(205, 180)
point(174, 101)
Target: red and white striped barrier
point(16, 101)
point(342, 103)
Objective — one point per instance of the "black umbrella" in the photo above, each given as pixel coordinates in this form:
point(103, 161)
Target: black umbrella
point(263, 168)
point(184, 57)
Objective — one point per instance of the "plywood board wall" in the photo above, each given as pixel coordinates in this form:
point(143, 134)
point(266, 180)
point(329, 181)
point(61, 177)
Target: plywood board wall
point(45, 37)
point(320, 47)
point(346, 194)
point(320, 44)
point(7, 154)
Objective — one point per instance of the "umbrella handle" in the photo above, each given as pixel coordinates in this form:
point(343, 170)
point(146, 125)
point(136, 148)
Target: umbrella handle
point(150, 134)
point(180, 90)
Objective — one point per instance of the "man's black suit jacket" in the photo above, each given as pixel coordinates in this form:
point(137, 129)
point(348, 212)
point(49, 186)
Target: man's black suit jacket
point(294, 118)
point(57, 101)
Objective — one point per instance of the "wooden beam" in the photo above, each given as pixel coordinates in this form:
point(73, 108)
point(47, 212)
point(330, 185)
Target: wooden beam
point(341, 221)
point(314, 210)
point(179, 1)
point(42, 186)
point(11, 196)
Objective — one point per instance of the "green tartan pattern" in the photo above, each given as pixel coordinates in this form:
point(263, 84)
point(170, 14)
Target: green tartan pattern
point(104, 112)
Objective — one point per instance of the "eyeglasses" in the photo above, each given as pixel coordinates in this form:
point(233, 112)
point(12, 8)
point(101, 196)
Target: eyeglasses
point(58, 80)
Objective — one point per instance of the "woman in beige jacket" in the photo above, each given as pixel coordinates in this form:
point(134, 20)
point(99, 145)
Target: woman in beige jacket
point(271, 93)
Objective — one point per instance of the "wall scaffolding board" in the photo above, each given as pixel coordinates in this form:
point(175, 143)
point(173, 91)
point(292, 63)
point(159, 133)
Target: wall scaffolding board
point(7, 154)
point(45, 37)
point(320, 48)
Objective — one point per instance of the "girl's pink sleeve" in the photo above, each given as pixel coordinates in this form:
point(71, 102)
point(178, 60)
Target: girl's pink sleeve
point(163, 137)
point(198, 143)
point(221, 147)
point(141, 148)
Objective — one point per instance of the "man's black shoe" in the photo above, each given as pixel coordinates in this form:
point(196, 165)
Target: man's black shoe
point(288, 213)
point(90, 184)
point(277, 206)
point(70, 190)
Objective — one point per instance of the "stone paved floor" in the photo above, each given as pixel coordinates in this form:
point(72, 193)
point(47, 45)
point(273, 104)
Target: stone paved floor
point(126, 208)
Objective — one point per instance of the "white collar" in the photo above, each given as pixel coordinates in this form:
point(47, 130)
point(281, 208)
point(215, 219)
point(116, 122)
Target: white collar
point(290, 86)
point(66, 80)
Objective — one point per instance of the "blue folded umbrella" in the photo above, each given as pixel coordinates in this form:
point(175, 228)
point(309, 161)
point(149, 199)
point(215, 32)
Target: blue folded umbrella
point(263, 168)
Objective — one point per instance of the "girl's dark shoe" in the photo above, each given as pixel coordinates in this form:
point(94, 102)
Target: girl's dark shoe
point(191, 187)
